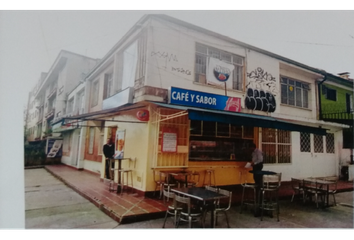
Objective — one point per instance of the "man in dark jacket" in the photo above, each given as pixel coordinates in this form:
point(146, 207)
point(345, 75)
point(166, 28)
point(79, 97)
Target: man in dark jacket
point(108, 151)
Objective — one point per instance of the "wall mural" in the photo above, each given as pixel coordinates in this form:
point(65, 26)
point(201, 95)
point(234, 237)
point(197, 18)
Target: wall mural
point(261, 91)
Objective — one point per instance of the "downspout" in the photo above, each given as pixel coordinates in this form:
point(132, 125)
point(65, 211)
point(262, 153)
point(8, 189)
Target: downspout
point(319, 95)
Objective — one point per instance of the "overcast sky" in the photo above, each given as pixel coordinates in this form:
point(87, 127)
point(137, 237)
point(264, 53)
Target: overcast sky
point(31, 40)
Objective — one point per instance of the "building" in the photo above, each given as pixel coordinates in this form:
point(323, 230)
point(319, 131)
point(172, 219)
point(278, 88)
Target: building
point(47, 100)
point(180, 96)
point(336, 105)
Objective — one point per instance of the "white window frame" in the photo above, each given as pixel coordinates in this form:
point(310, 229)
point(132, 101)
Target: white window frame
point(303, 87)
point(231, 58)
point(95, 92)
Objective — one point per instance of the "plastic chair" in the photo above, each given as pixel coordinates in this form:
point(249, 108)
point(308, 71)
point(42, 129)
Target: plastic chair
point(188, 214)
point(297, 186)
point(270, 193)
point(172, 209)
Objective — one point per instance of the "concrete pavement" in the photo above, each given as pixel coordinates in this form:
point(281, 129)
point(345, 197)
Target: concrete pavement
point(51, 204)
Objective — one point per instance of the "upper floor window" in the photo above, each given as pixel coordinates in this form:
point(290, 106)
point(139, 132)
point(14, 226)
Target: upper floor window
point(349, 102)
point(202, 56)
point(331, 94)
point(94, 94)
point(80, 103)
point(108, 85)
point(294, 92)
point(70, 106)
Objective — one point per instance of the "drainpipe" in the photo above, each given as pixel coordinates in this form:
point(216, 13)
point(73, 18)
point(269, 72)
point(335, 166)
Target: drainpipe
point(319, 94)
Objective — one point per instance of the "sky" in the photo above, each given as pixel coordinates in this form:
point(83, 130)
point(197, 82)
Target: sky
point(30, 41)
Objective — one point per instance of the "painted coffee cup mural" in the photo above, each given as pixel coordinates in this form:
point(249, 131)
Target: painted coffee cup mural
point(119, 144)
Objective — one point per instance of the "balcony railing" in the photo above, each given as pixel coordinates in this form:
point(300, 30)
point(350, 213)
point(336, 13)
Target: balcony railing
point(340, 117)
point(52, 93)
point(50, 113)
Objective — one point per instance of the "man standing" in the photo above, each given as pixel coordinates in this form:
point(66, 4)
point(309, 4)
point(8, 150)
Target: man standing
point(257, 163)
point(108, 151)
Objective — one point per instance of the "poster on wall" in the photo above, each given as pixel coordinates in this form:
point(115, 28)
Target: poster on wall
point(219, 72)
point(119, 144)
point(54, 148)
point(169, 140)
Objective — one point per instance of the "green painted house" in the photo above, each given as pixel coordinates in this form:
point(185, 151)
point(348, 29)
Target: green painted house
point(336, 103)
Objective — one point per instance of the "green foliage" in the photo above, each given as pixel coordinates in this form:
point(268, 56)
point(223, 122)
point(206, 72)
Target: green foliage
point(35, 154)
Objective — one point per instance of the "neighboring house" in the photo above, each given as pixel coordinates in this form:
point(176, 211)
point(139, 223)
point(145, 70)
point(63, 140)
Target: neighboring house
point(70, 131)
point(51, 92)
point(336, 105)
point(174, 95)
point(33, 113)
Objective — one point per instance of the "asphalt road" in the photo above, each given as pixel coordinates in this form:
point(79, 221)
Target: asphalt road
point(50, 204)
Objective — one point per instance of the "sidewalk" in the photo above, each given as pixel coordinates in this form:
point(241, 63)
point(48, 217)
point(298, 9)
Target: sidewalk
point(130, 207)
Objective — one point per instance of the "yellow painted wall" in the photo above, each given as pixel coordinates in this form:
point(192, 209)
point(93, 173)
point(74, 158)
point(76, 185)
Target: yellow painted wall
point(136, 146)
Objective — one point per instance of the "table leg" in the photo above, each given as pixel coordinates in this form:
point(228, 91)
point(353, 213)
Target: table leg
point(212, 222)
point(119, 180)
point(327, 196)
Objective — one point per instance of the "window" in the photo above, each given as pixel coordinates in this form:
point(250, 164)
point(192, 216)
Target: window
point(94, 94)
point(70, 106)
point(331, 94)
point(51, 105)
point(318, 143)
point(215, 141)
point(141, 55)
point(294, 93)
point(80, 102)
point(276, 145)
point(108, 85)
point(305, 142)
point(201, 59)
point(349, 102)
point(330, 143)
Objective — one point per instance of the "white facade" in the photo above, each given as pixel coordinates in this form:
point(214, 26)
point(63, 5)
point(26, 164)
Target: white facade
point(159, 53)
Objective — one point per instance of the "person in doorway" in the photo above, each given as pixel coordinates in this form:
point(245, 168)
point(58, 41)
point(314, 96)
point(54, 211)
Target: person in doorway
point(108, 151)
point(257, 163)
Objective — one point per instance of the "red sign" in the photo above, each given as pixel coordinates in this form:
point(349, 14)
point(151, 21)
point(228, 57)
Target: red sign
point(143, 115)
point(233, 104)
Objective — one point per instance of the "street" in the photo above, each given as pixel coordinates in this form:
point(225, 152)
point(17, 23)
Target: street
point(50, 204)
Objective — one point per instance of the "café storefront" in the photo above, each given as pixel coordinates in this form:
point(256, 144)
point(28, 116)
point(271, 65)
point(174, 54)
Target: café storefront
point(194, 130)
point(209, 131)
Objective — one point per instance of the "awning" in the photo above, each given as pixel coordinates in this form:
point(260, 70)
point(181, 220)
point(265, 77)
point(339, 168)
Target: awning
point(244, 119)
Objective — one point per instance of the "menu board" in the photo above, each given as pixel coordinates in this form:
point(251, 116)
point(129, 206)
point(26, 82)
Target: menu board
point(169, 140)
